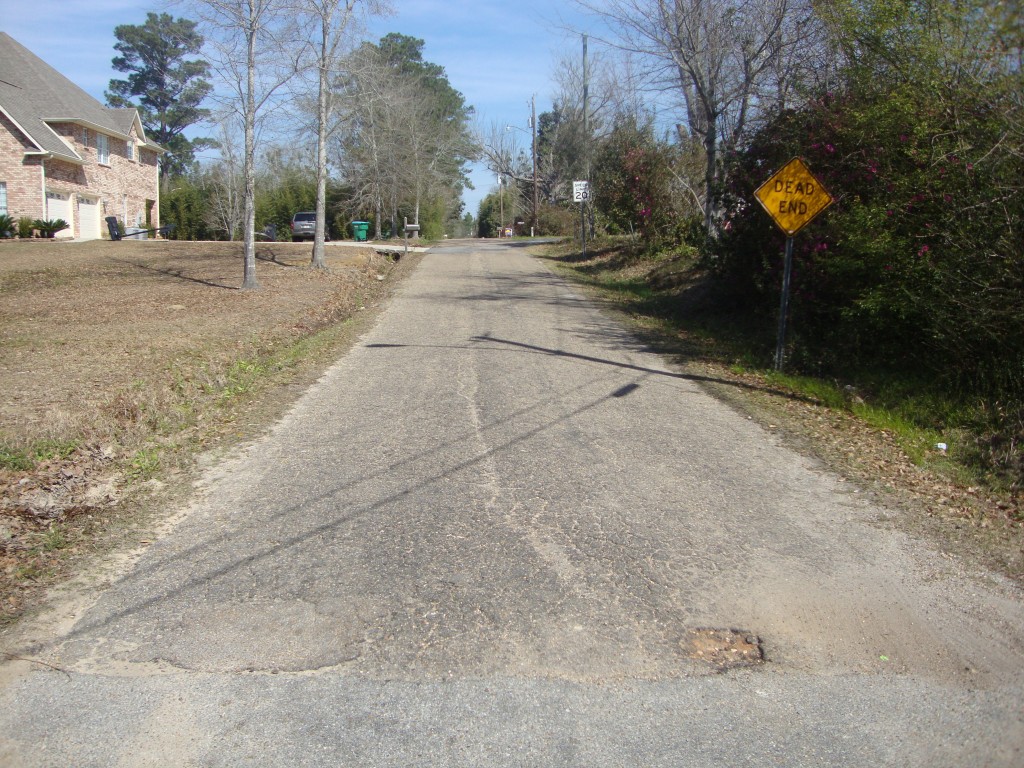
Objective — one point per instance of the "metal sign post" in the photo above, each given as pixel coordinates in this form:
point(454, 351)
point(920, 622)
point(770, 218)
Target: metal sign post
point(580, 194)
point(787, 274)
point(792, 197)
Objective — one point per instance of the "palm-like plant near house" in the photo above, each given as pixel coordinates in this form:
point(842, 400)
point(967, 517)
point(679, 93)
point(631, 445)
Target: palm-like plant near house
point(7, 226)
point(49, 227)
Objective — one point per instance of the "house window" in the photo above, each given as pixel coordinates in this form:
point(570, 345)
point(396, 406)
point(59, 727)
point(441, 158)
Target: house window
point(3, 198)
point(85, 137)
point(131, 149)
point(102, 150)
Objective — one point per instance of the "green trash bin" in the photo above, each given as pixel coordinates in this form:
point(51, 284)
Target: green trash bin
point(359, 230)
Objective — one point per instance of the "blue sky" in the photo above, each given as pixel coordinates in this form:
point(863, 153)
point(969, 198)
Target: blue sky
point(498, 54)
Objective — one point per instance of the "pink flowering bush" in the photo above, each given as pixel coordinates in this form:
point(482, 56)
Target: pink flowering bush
point(918, 266)
point(633, 185)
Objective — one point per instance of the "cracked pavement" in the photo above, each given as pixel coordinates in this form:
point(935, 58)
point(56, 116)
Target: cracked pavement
point(490, 535)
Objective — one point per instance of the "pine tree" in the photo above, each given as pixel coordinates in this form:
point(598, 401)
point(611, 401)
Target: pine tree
point(164, 84)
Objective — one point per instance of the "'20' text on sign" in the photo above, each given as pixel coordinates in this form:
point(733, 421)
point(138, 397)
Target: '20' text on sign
point(793, 196)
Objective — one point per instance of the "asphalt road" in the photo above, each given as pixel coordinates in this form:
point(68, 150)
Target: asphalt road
point(499, 532)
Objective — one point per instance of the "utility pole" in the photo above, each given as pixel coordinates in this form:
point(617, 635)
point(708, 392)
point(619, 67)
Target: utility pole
point(533, 125)
point(586, 142)
point(586, 111)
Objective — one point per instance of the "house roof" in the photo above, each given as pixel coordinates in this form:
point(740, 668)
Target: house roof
point(33, 94)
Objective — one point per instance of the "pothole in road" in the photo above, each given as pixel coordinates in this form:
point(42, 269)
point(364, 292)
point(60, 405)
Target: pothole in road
point(723, 648)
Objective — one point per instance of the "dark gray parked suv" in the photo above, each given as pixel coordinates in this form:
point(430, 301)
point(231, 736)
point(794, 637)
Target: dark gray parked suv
point(304, 225)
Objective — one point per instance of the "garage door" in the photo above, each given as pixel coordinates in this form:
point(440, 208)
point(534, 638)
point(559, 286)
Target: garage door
point(88, 218)
point(58, 206)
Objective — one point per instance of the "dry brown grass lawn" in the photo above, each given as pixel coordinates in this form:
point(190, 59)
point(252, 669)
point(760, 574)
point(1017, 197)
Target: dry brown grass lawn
point(118, 361)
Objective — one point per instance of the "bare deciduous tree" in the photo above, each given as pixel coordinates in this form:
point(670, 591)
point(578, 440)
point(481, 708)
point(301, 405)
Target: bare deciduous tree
point(254, 50)
point(224, 182)
point(504, 155)
point(564, 138)
point(331, 20)
point(725, 59)
point(367, 150)
point(406, 139)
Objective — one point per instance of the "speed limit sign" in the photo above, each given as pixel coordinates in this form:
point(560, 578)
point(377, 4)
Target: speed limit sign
point(580, 191)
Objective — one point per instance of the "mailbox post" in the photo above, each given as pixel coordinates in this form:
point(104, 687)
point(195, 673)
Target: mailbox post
point(409, 228)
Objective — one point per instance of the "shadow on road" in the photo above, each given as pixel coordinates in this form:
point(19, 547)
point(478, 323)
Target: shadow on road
point(247, 558)
point(534, 349)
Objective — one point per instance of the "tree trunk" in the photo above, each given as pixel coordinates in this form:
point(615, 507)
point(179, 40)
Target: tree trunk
point(394, 212)
point(249, 282)
point(321, 146)
point(710, 175)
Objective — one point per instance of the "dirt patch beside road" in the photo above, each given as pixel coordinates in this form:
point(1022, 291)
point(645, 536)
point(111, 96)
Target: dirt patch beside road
point(120, 361)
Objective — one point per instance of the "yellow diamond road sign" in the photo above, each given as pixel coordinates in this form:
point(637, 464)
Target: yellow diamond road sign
point(793, 197)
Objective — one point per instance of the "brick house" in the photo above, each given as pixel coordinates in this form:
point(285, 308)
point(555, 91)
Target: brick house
point(63, 155)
